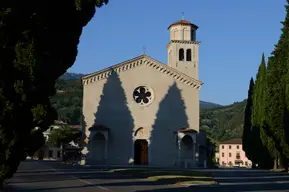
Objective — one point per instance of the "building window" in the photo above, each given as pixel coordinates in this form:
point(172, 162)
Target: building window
point(246, 163)
point(230, 163)
point(58, 154)
point(223, 163)
point(189, 55)
point(237, 146)
point(238, 155)
point(230, 146)
point(230, 155)
point(142, 95)
point(223, 147)
point(223, 155)
point(181, 54)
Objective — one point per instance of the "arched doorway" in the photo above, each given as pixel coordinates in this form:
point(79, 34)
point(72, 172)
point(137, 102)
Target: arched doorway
point(98, 148)
point(141, 152)
point(187, 147)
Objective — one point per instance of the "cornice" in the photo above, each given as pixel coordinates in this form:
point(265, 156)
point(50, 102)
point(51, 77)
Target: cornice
point(142, 60)
point(184, 42)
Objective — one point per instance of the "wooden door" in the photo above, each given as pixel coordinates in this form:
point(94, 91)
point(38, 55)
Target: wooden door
point(144, 152)
point(141, 152)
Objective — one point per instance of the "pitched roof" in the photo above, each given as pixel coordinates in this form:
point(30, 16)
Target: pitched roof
point(142, 60)
point(113, 67)
point(233, 141)
point(187, 130)
point(183, 22)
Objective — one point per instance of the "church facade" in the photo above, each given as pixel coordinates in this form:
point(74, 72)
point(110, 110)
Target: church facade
point(145, 112)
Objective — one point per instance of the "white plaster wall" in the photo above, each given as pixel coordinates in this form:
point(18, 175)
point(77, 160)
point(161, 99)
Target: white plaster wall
point(190, 68)
point(123, 116)
point(181, 32)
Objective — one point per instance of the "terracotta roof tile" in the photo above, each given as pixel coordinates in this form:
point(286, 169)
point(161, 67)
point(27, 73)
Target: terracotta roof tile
point(187, 130)
point(233, 141)
point(183, 22)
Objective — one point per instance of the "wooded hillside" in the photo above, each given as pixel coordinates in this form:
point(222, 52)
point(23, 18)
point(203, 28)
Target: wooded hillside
point(225, 122)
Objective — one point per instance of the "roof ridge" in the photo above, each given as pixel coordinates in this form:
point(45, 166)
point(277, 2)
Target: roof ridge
point(175, 70)
point(113, 66)
point(183, 22)
point(137, 61)
point(232, 141)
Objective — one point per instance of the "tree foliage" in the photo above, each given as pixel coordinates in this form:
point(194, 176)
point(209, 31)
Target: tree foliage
point(68, 100)
point(277, 114)
point(259, 139)
point(63, 135)
point(270, 118)
point(247, 128)
point(38, 43)
point(223, 123)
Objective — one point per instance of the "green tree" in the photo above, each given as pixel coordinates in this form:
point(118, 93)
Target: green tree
point(261, 154)
point(246, 139)
point(266, 133)
point(38, 43)
point(68, 100)
point(211, 151)
point(277, 114)
point(63, 135)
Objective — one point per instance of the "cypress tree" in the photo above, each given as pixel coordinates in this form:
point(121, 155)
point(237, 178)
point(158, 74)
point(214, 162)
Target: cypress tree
point(266, 133)
point(262, 154)
point(258, 99)
point(276, 90)
point(38, 43)
point(246, 138)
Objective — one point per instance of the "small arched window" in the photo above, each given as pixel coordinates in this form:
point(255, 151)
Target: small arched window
point(189, 55)
point(181, 54)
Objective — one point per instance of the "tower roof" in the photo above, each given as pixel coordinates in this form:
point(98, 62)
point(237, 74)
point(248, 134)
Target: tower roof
point(183, 22)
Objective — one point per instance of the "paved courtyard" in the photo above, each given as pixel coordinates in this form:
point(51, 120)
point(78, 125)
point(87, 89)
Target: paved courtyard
point(56, 177)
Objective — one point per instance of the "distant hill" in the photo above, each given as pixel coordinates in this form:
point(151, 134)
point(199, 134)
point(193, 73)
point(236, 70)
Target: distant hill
point(224, 122)
point(208, 105)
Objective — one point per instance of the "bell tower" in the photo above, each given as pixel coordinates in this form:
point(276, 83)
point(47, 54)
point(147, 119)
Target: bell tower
point(183, 49)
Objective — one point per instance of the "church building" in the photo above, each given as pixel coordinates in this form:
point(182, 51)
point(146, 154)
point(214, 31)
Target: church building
point(144, 112)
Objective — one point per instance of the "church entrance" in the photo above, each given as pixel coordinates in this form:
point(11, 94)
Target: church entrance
point(141, 152)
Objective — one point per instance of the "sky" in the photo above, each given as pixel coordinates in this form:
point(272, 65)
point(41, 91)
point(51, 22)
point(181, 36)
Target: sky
point(233, 36)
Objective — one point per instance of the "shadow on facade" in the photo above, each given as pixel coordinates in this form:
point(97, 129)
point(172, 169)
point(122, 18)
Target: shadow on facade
point(110, 140)
point(83, 127)
point(170, 118)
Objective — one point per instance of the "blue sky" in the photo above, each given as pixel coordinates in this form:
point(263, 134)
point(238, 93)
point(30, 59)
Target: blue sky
point(233, 35)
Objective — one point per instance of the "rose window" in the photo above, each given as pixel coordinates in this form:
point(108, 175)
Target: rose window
point(142, 95)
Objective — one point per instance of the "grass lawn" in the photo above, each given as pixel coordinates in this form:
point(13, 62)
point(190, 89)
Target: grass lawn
point(165, 176)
